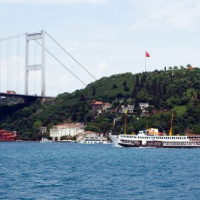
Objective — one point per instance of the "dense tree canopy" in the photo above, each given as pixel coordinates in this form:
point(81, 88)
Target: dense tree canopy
point(176, 88)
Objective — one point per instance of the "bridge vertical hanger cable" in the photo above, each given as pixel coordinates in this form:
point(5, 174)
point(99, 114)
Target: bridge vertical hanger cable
point(7, 58)
point(10, 63)
point(0, 62)
point(14, 65)
point(62, 64)
point(35, 71)
point(7, 62)
point(71, 56)
point(18, 63)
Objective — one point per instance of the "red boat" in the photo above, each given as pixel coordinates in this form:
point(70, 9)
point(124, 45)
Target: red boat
point(7, 136)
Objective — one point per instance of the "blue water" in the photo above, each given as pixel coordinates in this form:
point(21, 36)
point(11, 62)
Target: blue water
point(97, 172)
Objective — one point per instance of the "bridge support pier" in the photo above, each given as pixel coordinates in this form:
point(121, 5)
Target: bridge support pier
point(35, 37)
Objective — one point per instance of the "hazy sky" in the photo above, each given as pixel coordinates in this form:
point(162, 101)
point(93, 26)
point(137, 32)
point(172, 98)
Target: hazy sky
point(106, 36)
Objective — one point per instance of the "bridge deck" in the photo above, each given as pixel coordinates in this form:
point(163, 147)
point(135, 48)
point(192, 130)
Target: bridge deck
point(23, 96)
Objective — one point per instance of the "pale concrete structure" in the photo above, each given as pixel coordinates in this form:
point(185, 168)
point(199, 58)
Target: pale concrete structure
point(143, 106)
point(41, 66)
point(129, 108)
point(72, 129)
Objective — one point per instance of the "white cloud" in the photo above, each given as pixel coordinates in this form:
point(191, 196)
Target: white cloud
point(179, 14)
point(101, 69)
point(12, 74)
point(56, 2)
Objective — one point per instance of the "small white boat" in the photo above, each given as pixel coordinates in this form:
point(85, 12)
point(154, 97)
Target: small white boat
point(45, 140)
point(91, 141)
point(94, 141)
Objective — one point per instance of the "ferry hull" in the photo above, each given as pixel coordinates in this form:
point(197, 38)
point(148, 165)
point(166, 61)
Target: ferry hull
point(158, 146)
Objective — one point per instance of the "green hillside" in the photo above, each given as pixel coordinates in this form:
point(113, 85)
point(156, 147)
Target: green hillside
point(176, 88)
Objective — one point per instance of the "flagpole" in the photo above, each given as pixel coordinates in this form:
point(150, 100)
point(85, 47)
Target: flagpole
point(145, 61)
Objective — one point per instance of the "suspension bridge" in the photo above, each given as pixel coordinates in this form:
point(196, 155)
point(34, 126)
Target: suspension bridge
point(23, 55)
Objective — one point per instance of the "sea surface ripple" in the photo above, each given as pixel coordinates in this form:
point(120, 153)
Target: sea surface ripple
point(97, 172)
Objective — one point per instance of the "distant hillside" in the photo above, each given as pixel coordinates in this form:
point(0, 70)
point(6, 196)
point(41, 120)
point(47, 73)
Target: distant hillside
point(175, 88)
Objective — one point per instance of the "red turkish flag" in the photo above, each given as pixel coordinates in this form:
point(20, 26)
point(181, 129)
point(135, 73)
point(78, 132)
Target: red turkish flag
point(147, 54)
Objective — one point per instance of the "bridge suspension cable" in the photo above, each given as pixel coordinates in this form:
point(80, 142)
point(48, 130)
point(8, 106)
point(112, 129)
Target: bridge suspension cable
point(70, 55)
point(51, 54)
point(12, 37)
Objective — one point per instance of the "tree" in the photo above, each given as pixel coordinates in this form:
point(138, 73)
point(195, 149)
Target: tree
point(124, 83)
point(82, 114)
point(114, 86)
point(154, 86)
point(137, 82)
point(126, 88)
point(143, 80)
point(93, 91)
point(134, 93)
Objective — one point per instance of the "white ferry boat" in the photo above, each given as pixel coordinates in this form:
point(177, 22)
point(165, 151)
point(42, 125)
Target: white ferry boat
point(142, 139)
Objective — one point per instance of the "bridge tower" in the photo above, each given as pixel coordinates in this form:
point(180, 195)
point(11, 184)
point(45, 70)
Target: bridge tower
point(29, 37)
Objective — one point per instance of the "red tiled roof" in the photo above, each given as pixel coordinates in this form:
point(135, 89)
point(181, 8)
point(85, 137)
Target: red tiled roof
point(89, 132)
point(97, 102)
point(71, 125)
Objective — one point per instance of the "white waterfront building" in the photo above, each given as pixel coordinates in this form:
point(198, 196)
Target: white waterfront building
point(71, 129)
